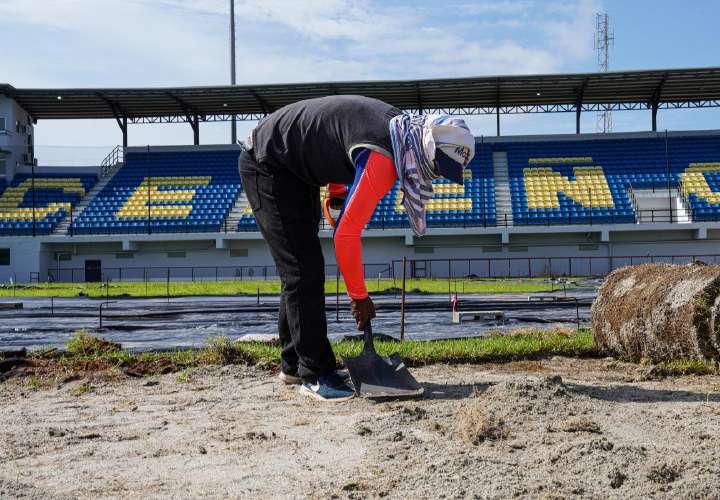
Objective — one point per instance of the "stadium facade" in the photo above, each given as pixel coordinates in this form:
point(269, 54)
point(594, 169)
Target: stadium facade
point(578, 204)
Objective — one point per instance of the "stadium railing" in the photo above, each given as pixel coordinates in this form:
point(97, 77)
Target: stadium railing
point(194, 273)
point(113, 159)
point(674, 216)
point(435, 268)
point(534, 267)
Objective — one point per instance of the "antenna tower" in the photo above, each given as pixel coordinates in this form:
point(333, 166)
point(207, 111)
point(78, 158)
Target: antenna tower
point(604, 40)
point(233, 124)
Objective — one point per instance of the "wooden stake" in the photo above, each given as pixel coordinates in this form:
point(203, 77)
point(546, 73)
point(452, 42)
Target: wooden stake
point(337, 294)
point(402, 303)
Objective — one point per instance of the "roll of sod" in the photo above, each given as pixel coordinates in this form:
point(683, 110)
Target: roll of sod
point(660, 312)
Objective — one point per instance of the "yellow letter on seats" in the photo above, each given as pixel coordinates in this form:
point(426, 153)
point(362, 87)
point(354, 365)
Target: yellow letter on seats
point(163, 202)
point(590, 187)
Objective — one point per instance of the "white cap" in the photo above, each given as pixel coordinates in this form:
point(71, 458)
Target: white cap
point(453, 137)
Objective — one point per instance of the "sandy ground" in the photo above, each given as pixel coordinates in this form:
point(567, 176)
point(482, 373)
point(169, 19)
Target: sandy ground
point(551, 429)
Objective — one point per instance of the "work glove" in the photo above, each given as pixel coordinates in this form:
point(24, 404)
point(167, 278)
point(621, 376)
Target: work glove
point(334, 202)
point(363, 310)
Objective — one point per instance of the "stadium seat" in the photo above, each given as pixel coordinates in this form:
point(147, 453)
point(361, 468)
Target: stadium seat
point(588, 181)
point(551, 182)
point(472, 204)
point(53, 197)
point(165, 192)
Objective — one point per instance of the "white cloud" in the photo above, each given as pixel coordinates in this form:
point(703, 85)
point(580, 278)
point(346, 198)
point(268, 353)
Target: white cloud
point(180, 42)
point(497, 7)
point(184, 42)
point(570, 28)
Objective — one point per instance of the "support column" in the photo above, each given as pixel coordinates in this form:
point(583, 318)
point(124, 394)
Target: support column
point(196, 129)
point(654, 116)
point(409, 238)
point(122, 123)
point(580, 94)
point(124, 132)
point(655, 101)
point(497, 107)
point(578, 110)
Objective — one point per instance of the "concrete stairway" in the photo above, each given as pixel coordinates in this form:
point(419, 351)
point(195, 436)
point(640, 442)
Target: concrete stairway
point(682, 213)
point(236, 213)
point(63, 226)
point(503, 198)
point(659, 205)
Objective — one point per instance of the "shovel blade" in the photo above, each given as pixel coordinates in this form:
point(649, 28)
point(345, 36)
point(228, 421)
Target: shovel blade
point(381, 377)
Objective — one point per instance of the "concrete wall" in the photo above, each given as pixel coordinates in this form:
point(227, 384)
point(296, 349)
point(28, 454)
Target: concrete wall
point(65, 170)
point(14, 144)
point(547, 251)
point(151, 259)
point(24, 260)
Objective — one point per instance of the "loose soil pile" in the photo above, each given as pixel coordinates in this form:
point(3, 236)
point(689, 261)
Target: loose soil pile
point(543, 429)
point(660, 312)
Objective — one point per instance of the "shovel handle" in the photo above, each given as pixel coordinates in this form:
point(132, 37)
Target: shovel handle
point(368, 337)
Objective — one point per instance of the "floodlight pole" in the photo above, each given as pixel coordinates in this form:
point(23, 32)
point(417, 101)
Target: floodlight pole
point(32, 188)
point(667, 175)
point(147, 179)
point(233, 123)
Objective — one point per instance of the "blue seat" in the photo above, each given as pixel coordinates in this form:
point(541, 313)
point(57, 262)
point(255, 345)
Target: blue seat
point(53, 196)
point(205, 211)
point(637, 162)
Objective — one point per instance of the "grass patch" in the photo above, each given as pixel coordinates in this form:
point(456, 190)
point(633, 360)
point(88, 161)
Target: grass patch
point(685, 367)
point(80, 389)
point(268, 287)
point(477, 350)
point(85, 353)
point(183, 377)
point(82, 344)
point(37, 383)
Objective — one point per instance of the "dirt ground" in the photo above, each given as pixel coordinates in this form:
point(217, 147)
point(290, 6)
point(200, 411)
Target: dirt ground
point(547, 429)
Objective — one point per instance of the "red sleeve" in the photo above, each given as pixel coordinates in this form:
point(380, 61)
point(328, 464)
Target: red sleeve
point(375, 181)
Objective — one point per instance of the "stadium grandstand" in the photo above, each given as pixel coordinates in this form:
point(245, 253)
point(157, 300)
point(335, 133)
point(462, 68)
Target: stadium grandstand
point(530, 205)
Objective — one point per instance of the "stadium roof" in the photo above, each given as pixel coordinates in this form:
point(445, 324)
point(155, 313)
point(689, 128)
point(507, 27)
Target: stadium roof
point(699, 87)
point(578, 92)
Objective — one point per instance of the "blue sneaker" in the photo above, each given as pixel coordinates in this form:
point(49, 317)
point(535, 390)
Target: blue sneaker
point(293, 379)
point(330, 388)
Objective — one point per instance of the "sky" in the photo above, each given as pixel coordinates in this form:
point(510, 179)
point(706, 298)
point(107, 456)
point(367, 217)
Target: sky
point(140, 43)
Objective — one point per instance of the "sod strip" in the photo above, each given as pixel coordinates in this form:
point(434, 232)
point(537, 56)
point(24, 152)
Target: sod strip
point(85, 353)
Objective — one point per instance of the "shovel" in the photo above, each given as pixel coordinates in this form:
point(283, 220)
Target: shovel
point(380, 377)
